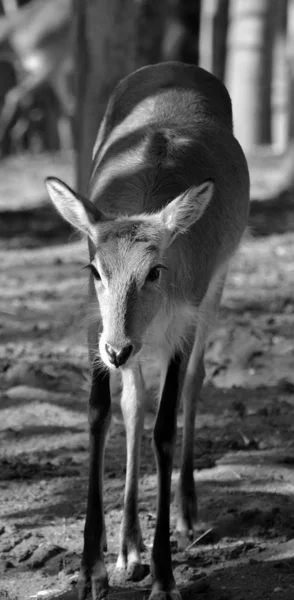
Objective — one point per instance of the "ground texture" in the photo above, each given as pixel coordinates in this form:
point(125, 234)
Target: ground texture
point(244, 439)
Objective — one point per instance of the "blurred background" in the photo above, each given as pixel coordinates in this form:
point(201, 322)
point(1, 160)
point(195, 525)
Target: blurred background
point(60, 57)
point(59, 62)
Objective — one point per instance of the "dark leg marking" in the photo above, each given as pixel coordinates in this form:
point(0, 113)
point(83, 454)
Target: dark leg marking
point(164, 440)
point(93, 582)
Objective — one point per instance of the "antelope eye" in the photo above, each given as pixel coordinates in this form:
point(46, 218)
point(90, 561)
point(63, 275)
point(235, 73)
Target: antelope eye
point(94, 271)
point(153, 274)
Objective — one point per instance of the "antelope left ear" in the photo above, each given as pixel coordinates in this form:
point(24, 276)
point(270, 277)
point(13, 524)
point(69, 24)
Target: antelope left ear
point(78, 211)
point(187, 209)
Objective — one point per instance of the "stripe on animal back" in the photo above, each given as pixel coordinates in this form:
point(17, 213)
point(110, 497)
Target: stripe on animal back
point(165, 144)
point(143, 177)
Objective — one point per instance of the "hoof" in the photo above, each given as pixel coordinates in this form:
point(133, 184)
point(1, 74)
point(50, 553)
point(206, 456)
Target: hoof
point(184, 539)
point(186, 527)
point(99, 588)
point(186, 500)
point(132, 571)
point(172, 594)
point(128, 565)
point(94, 587)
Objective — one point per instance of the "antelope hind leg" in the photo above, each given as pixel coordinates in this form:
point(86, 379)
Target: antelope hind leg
point(195, 373)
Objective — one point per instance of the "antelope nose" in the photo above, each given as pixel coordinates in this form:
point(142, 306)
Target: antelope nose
point(118, 358)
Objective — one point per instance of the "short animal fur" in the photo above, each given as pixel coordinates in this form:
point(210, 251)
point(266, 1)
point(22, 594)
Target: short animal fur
point(167, 206)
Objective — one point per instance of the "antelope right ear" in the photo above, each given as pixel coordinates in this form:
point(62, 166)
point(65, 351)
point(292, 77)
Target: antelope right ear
point(187, 208)
point(78, 211)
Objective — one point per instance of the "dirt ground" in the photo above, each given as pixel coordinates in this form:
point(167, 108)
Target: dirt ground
point(244, 442)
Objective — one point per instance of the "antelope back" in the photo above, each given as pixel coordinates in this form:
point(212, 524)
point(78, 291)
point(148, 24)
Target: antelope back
point(169, 127)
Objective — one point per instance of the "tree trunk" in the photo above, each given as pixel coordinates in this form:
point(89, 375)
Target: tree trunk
point(280, 78)
point(213, 33)
point(181, 40)
point(149, 31)
point(249, 69)
point(289, 162)
point(104, 53)
point(290, 59)
point(112, 38)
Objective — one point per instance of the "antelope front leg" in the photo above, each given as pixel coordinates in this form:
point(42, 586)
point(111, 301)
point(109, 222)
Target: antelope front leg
point(164, 587)
point(93, 581)
point(132, 404)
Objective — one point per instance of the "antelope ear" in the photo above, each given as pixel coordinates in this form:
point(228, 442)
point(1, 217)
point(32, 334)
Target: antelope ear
point(78, 211)
point(187, 208)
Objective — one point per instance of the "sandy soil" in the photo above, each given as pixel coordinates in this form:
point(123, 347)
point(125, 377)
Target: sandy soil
point(244, 443)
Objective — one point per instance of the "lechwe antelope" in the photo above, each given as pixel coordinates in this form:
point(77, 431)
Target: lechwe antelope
point(167, 206)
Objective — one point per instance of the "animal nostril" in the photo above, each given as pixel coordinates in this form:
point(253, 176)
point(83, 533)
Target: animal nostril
point(123, 356)
point(118, 358)
point(111, 353)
